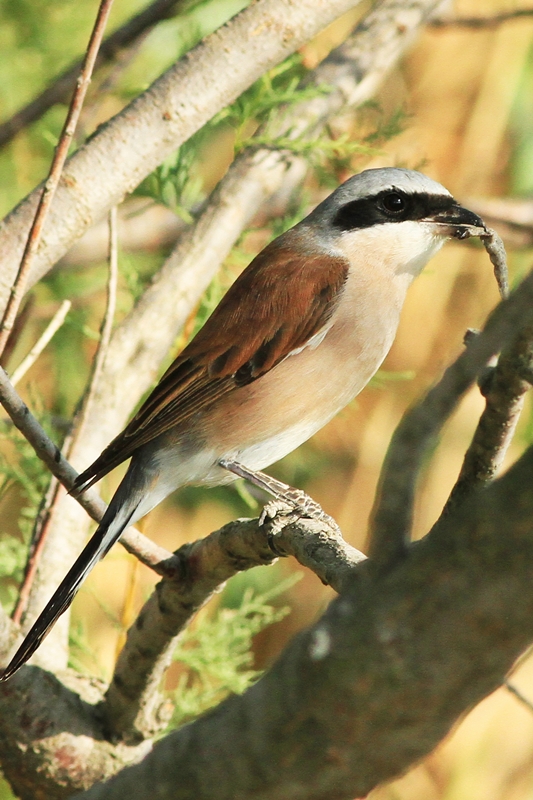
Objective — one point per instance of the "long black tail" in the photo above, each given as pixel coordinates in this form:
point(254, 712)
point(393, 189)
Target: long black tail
point(107, 533)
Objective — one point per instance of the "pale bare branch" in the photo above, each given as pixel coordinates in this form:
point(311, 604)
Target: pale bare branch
point(51, 329)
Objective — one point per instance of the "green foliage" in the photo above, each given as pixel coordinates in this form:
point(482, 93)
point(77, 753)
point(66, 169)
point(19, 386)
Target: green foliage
point(81, 653)
point(217, 654)
point(260, 104)
point(5, 790)
point(521, 156)
point(26, 474)
point(174, 183)
point(384, 377)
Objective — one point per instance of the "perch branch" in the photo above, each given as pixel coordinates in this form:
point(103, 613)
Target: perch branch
point(347, 705)
point(132, 703)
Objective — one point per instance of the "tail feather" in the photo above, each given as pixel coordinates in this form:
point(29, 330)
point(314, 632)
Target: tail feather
point(107, 533)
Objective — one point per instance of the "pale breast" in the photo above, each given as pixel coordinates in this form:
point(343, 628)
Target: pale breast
point(262, 422)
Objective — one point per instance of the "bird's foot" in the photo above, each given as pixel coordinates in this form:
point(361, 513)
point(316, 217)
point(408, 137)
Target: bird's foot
point(289, 504)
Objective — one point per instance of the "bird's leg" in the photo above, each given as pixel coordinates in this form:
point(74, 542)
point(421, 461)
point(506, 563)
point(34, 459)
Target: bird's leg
point(288, 502)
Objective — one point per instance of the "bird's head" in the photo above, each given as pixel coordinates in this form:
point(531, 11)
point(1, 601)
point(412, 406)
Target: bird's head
point(397, 217)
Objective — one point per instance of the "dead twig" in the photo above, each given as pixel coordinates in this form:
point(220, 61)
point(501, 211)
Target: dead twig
point(51, 183)
point(40, 531)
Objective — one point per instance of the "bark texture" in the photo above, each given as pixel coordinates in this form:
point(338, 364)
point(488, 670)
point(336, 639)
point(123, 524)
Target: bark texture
point(378, 681)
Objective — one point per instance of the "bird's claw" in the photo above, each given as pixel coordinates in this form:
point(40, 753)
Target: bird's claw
point(280, 513)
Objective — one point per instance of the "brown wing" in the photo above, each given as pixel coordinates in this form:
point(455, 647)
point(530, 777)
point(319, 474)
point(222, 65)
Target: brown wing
point(275, 306)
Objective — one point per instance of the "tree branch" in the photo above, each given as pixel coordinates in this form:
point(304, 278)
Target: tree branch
point(479, 23)
point(379, 680)
point(133, 704)
point(392, 515)
point(147, 551)
point(49, 728)
point(504, 399)
point(48, 333)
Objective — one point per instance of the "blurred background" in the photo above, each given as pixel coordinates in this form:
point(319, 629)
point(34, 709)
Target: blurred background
point(461, 108)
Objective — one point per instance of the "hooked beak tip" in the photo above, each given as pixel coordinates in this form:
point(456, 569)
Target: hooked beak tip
point(458, 222)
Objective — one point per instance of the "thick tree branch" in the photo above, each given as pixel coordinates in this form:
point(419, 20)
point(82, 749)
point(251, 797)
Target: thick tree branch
point(392, 515)
point(49, 727)
point(133, 705)
point(379, 680)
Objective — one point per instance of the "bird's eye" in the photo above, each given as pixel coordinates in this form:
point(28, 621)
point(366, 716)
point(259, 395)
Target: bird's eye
point(393, 203)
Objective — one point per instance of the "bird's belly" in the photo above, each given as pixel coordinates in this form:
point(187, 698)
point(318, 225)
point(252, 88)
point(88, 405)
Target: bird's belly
point(261, 423)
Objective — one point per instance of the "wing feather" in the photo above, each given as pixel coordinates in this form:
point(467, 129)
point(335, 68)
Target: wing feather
point(274, 308)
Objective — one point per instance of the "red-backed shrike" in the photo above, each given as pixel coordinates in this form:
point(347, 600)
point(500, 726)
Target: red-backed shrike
point(297, 336)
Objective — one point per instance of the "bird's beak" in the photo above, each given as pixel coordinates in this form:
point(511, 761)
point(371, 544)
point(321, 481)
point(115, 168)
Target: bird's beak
point(458, 222)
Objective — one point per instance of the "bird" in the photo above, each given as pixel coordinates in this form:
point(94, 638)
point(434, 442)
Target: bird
point(295, 338)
